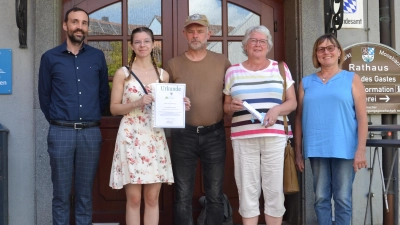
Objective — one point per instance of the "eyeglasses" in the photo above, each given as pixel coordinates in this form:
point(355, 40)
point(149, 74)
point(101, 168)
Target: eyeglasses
point(254, 41)
point(145, 42)
point(330, 48)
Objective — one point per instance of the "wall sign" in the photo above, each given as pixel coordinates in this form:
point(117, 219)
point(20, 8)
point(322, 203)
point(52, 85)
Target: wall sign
point(5, 71)
point(379, 68)
point(353, 13)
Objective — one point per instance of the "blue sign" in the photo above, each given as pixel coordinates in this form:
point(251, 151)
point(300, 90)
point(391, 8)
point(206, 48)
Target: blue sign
point(5, 71)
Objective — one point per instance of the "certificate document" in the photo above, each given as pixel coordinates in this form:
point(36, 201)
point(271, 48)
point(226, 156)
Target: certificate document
point(168, 106)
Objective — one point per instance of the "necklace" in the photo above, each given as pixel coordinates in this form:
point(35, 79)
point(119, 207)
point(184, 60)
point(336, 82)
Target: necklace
point(145, 70)
point(324, 79)
point(256, 67)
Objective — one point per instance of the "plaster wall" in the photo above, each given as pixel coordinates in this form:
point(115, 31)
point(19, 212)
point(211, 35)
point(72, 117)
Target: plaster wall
point(311, 29)
point(47, 35)
point(17, 114)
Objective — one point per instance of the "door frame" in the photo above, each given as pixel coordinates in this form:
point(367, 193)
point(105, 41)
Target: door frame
point(172, 33)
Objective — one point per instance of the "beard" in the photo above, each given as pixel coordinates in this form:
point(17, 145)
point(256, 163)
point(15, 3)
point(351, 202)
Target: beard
point(197, 45)
point(75, 39)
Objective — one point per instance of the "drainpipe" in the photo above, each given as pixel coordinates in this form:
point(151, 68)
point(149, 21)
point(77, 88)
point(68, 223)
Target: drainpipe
point(387, 152)
point(395, 181)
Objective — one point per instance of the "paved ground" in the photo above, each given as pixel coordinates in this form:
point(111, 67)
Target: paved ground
point(284, 223)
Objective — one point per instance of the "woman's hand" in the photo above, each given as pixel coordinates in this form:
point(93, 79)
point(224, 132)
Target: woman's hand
point(145, 100)
point(299, 161)
point(236, 105)
point(271, 116)
point(359, 160)
point(187, 103)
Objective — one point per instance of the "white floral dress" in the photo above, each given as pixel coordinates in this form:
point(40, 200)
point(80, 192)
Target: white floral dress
point(141, 154)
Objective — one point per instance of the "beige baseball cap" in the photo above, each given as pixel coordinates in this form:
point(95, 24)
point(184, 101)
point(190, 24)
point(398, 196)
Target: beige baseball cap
point(197, 18)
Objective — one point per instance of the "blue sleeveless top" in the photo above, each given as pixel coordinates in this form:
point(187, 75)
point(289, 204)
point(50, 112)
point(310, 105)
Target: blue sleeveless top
point(329, 123)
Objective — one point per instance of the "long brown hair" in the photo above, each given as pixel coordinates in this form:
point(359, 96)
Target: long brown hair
point(133, 56)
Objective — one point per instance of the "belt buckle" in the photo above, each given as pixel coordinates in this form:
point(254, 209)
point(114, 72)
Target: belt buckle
point(199, 127)
point(78, 128)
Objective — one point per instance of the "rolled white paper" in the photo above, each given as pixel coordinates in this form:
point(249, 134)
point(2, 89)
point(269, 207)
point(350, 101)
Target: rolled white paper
point(254, 112)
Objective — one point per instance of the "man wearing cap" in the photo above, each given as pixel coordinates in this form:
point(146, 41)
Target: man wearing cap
point(203, 137)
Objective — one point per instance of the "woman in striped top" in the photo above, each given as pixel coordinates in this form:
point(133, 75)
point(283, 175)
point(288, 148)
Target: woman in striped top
point(258, 145)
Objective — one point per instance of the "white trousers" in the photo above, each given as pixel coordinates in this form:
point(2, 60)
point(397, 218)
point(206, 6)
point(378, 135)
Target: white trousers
point(259, 164)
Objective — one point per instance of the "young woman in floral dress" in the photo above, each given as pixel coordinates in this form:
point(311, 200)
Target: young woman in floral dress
point(141, 157)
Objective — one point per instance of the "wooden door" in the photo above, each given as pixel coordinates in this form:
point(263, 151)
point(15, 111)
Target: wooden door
point(228, 27)
point(111, 22)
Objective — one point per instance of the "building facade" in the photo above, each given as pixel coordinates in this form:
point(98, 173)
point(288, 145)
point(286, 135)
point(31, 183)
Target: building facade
point(295, 25)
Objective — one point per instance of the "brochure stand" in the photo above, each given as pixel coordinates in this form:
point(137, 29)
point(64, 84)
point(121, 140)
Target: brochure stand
point(395, 143)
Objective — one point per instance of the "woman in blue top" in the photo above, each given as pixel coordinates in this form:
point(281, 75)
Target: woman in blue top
point(331, 125)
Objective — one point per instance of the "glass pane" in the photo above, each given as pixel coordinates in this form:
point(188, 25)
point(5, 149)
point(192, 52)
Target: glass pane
point(113, 53)
point(215, 46)
point(239, 19)
point(235, 52)
point(145, 14)
point(157, 52)
point(106, 21)
point(212, 9)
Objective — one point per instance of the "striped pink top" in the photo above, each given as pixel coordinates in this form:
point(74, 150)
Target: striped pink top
point(261, 89)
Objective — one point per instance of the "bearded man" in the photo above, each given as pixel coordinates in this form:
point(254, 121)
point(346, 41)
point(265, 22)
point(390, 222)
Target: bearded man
point(73, 92)
point(203, 137)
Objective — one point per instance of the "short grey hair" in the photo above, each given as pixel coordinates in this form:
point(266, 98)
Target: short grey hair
point(260, 29)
